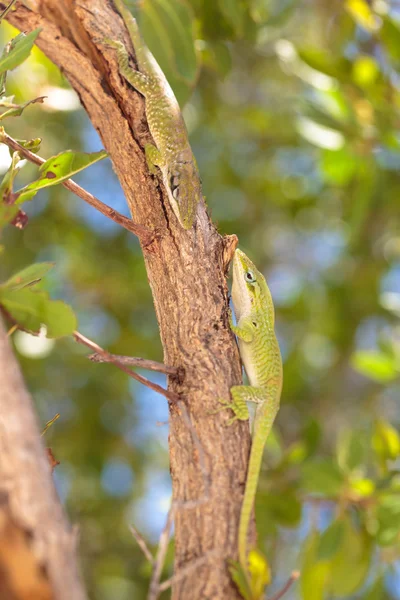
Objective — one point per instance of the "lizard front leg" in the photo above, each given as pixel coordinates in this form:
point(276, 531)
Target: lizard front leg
point(138, 80)
point(241, 394)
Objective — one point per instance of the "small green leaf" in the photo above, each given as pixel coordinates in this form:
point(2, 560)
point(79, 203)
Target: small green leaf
point(331, 540)
point(28, 276)
point(19, 50)
point(339, 166)
point(314, 573)
point(234, 12)
point(7, 214)
point(386, 440)
point(388, 516)
point(57, 169)
point(322, 476)
point(32, 309)
point(356, 551)
point(17, 110)
point(240, 579)
point(362, 14)
point(376, 365)
point(260, 574)
point(351, 450)
point(167, 27)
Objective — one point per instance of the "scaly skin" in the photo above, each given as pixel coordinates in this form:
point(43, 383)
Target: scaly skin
point(262, 361)
point(172, 152)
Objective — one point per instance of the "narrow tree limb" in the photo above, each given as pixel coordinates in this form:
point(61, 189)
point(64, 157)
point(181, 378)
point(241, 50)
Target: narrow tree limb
point(144, 234)
point(42, 543)
point(109, 358)
point(132, 361)
point(293, 577)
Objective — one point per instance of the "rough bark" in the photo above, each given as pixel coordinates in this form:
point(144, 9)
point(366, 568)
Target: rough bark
point(186, 272)
point(37, 546)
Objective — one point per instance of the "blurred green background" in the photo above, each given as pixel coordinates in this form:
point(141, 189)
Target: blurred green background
point(293, 114)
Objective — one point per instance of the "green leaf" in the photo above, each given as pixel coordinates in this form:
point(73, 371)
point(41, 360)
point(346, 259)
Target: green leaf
point(331, 540)
point(350, 566)
point(390, 36)
point(167, 27)
point(235, 13)
point(260, 574)
point(322, 476)
point(19, 51)
point(351, 450)
point(28, 276)
point(7, 214)
point(388, 517)
point(338, 166)
point(362, 14)
point(57, 169)
point(240, 579)
point(365, 71)
point(376, 365)
point(17, 110)
point(32, 309)
point(386, 440)
point(314, 573)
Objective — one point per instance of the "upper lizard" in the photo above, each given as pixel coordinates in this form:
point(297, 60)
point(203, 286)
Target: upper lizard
point(172, 152)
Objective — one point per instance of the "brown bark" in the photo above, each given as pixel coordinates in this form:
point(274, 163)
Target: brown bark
point(37, 547)
point(186, 272)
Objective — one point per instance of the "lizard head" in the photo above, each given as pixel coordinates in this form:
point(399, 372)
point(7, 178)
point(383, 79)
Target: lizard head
point(185, 186)
point(249, 290)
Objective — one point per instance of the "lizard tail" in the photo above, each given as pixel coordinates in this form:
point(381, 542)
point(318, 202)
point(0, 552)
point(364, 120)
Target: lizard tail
point(262, 427)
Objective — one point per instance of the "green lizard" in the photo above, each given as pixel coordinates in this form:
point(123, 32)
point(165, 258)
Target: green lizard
point(260, 354)
point(172, 152)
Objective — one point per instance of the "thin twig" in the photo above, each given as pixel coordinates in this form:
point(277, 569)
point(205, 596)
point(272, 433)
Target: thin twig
point(145, 235)
point(132, 361)
point(186, 570)
point(154, 589)
point(153, 386)
point(294, 577)
point(142, 544)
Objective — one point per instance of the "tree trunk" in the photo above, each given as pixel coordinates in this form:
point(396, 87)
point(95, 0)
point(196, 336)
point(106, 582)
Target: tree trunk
point(37, 547)
point(186, 272)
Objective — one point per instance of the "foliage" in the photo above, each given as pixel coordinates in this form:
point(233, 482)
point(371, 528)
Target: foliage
point(293, 120)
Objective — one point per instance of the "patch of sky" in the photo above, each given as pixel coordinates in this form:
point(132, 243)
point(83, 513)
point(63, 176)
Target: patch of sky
point(387, 158)
point(150, 512)
point(286, 284)
point(227, 203)
point(99, 325)
point(62, 476)
point(117, 478)
point(369, 332)
point(151, 410)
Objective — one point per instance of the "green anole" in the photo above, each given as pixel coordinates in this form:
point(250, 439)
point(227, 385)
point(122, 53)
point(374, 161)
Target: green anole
point(172, 152)
point(261, 357)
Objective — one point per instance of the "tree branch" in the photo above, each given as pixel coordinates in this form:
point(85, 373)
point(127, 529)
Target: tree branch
point(29, 505)
point(132, 361)
point(141, 232)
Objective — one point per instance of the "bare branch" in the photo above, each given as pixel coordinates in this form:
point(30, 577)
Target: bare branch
point(154, 589)
point(294, 577)
point(142, 544)
point(153, 386)
point(132, 361)
point(141, 232)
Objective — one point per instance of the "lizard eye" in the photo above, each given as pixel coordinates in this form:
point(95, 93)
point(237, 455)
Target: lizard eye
point(249, 277)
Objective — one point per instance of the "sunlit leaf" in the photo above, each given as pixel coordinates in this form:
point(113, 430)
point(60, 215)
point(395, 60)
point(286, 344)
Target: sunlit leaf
point(338, 166)
point(260, 573)
point(356, 549)
point(28, 276)
point(20, 49)
point(167, 27)
point(331, 540)
point(365, 71)
point(362, 14)
point(322, 476)
point(314, 573)
point(32, 309)
point(240, 579)
point(376, 365)
point(388, 517)
point(17, 110)
point(386, 440)
point(57, 169)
